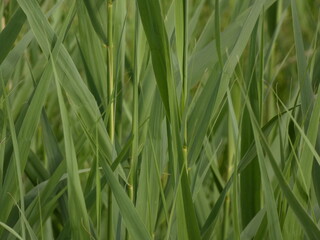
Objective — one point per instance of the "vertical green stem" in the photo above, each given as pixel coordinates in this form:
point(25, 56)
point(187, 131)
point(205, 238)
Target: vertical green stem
point(260, 82)
point(235, 196)
point(231, 152)
point(217, 31)
point(135, 118)
point(98, 187)
point(185, 81)
point(111, 99)
point(269, 108)
point(110, 71)
point(231, 143)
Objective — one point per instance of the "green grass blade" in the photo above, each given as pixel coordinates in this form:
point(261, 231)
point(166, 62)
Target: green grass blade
point(217, 30)
point(307, 99)
point(9, 35)
point(252, 228)
point(16, 156)
point(77, 208)
point(303, 76)
point(94, 21)
point(305, 220)
point(214, 91)
point(12, 231)
point(273, 218)
point(157, 38)
point(154, 28)
point(131, 218)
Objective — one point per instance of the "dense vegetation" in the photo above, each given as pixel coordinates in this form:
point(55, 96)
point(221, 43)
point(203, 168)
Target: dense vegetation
point(159, 119)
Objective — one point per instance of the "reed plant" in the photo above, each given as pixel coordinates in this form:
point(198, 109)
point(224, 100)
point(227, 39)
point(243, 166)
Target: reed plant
point(149, 119)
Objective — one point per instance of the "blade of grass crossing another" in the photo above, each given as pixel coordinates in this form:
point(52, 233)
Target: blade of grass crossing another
point(77, 209)
point(27, 130)
point(208, 227)
point(16, 155)
point(12, 231)
point(236, 157)
point(154, 28)
point(95, 22)
point(132, 220)
point(251, 229)
point(273, 218)
point(198, 129)
point(310, 227)
point(25, 135)
point(303, 76)
point(82, 100)
point(307, 96)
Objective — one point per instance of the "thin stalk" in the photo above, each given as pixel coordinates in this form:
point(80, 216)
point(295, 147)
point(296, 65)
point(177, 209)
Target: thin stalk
point(185, 81)
point(232, 151)
point(2, 147)
point(135, 117)
point(111, 99)
point(231, 143)
point(110, 71)
point(234, 204)
point(233, 155)
point(217, 31)
point(260, 82)
point(98, 187)
point(270, 102)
